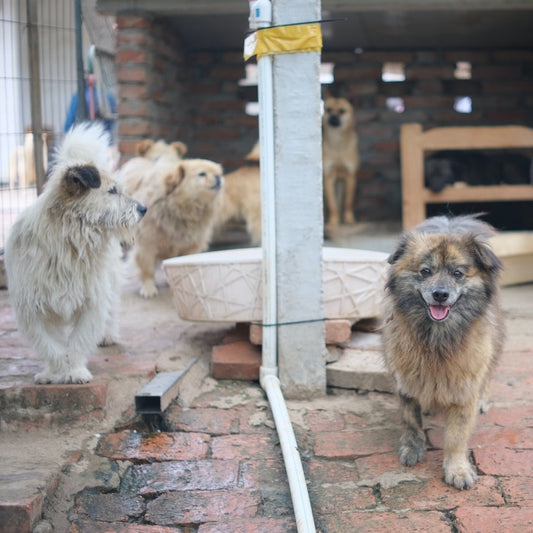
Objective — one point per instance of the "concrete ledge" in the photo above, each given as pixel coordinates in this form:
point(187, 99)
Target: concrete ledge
point(36, 406)
point(360, 369)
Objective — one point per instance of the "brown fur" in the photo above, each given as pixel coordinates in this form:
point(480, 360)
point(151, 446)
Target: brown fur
point(443, 334)
point(182, 198)
point(241, 198)
point(141, 169)
point(340, 158)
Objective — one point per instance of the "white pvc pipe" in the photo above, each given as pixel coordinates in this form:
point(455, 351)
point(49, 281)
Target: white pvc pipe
point(269, 370)
point(293, 465)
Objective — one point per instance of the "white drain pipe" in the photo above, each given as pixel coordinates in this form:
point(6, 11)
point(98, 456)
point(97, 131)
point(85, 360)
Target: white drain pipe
point(261, 17)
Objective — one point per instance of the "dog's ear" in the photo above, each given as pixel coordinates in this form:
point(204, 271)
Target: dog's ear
point(173, 179)
point(484, 257)
point(400, 250)
point(143, 147)
point(80, 178)
point(181, 148)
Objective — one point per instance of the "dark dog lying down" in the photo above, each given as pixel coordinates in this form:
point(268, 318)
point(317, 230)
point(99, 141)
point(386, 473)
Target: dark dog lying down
point(476, 168)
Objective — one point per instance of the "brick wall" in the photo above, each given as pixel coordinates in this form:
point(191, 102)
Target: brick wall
point(168, 92)
point(150, 72)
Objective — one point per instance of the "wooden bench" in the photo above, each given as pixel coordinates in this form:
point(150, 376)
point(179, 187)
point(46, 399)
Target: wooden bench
point(414, 142)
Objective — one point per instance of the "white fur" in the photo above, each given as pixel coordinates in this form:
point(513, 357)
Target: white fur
point(63, 258)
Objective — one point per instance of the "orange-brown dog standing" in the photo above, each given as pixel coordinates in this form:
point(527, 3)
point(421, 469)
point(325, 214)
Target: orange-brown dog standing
point(443, 334)
point(340, 158)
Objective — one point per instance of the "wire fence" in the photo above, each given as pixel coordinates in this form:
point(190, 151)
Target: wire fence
point(56, 45)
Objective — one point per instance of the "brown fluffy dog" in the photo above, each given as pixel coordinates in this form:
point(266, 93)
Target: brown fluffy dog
point(443, 333)
point(241, 198)
point(340, 157)
point(182, 200)
point(138, 170)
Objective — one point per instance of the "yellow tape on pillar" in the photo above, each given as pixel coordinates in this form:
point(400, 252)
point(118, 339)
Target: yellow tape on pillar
point(284, 40)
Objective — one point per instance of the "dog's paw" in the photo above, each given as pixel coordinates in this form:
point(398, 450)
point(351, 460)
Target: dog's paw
point(43, 378)
point(109, 340)
point(411, 453)
point(349, 218)
point(148, 289)
point(79, 375)
point(76, 375)
point(459, 473)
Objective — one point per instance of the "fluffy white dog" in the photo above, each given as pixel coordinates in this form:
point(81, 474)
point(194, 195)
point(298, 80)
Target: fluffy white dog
point(63, 258)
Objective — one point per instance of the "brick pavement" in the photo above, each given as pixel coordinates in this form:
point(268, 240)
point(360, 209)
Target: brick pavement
point(218, 467)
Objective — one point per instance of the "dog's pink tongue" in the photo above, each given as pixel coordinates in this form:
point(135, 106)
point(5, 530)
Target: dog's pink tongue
point(439, 312)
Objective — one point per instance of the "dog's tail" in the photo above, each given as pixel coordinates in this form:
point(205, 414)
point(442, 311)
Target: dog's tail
point(85, 143)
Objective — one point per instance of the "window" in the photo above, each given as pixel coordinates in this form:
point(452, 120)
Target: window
point(463, 70)
point(463, 104)
point(393, 72)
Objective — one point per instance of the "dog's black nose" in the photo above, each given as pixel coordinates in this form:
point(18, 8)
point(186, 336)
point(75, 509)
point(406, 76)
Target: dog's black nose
point(334, 120)
point(440, 295)
point(141, 209)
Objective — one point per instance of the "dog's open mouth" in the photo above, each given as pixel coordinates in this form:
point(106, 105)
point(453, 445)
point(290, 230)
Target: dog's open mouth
point(439, 312)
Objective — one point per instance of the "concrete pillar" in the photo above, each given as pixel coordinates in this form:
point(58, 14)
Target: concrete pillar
point(299, 213)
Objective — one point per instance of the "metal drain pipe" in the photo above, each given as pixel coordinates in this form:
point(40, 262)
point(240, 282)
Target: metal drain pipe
point(261, 17)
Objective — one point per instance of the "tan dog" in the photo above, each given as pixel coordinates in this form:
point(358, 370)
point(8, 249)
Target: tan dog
point(22, 162)
point(241, 197)
point(340, 157)
point(138, 169)
point(443, 334)
point(63, 258)
point(182, 199)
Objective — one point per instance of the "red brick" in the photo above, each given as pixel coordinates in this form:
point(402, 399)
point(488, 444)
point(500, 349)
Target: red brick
point(386, 56)
point(111, 507)
point(196, 507)
point(319, 421)
point(365, 522)
point(344, 444)
point(252, 525)
point(131, 39)
point(141, 128)
point(436, 494)
point(338, 331)
point(237, 360)
point(261, 473)
point(494, 519)
point(517, 490)
point(86, 526)
point(20, 516)
point(132, 21)
point(416, 72)
point(474, 56)
point(204, 420)
point(323, 471)
point(127, 74)
point(131, 56)
point(244, 446)
point(502, 461)
point(155, 478)
point(134, 446)
point(334, 497)
point(511, 416)
point(133, 92)
point(488, 436)
point(133, 108)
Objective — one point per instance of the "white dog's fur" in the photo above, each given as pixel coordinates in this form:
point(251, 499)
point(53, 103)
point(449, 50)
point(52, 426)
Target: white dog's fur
point(63, 258)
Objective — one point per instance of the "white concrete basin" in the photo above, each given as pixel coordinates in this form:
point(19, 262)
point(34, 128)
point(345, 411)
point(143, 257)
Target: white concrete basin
point(225, 286)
